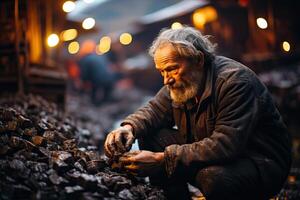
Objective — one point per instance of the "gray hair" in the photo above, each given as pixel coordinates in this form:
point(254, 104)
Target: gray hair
point(187, 41)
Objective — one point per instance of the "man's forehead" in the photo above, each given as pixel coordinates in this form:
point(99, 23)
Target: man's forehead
point(165, 51)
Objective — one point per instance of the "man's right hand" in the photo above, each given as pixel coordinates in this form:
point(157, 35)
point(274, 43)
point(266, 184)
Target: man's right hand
point(119, 141)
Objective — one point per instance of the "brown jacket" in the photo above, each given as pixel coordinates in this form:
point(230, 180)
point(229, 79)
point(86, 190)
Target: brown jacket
point(235, 117)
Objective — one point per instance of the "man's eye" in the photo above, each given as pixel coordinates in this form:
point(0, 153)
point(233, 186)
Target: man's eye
point(170, 70)
point(174, 71)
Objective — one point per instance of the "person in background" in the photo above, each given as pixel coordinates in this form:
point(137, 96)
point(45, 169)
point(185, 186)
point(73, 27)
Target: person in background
point(213, 125)
point(95, 70)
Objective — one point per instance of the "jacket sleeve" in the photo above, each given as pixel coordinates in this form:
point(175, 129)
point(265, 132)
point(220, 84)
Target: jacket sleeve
point(236, 115)
point(155, 114)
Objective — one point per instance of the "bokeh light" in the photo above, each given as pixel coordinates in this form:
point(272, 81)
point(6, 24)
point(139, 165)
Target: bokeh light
point(262, 23)
point(286, 46)
point(104, 45)
point(125, 38)
point(88, 23)
point(204, 15)
point(69, 34)
point(199, 20)
point(52, 40)
point(176, 25)
point(68, 6)
point(73, 47)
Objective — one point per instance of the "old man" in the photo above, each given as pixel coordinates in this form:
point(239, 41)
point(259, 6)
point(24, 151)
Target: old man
point(213, 125)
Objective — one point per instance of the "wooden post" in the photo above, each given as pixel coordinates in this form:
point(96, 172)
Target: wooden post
point(17, 49)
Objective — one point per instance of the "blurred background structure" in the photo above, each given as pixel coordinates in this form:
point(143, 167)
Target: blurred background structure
point(43, 41)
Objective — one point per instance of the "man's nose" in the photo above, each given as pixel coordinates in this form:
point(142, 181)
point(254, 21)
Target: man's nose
point(169, 81)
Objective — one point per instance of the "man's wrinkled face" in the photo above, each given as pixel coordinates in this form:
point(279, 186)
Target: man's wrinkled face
point(179, 75)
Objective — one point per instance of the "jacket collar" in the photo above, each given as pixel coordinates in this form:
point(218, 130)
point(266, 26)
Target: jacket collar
point(191, 103)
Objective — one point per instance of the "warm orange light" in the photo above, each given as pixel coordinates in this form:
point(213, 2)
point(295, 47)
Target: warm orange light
point(104, 45)
point(52, 40)
point(88, 23)
point(210, 13)
point(125, 38)
point(176, 25)
point(73, 47)
point(204, 15)
point(292, 179)
point(68, 35)
point(68, 6)
point(199, 20)
point(87, 46)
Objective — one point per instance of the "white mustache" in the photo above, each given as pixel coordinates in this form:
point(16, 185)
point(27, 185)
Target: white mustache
point(178, 85)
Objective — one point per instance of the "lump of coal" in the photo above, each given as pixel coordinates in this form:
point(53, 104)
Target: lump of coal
point(38, 140)
point(95, 166)
point(61, 160)
point(30, 131)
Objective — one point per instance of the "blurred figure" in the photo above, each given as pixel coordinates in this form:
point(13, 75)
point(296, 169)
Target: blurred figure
point(74, 75)
point(95, 72)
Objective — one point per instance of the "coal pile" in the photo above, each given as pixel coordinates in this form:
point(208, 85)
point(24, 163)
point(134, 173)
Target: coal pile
point(43, 155)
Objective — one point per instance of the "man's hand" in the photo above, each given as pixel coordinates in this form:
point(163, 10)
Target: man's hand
point(142, 163)
point(119, 141)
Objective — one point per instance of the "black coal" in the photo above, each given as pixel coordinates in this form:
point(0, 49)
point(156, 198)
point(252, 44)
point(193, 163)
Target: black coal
point(44, 155)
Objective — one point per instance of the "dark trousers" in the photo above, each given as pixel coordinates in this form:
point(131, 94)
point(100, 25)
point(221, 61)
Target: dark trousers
point(239, 179)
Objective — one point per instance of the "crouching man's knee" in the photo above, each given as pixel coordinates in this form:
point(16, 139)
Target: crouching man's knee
point(240, 180)
point(211, 181)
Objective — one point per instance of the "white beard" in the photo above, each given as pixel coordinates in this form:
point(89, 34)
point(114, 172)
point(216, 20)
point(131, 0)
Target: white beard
point(184, 94)
point(187, 89)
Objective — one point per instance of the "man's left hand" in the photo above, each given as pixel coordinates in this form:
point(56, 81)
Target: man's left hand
point(142, 163)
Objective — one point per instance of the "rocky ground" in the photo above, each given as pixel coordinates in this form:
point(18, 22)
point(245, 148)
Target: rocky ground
point(101, 119)
point(48, 154)
point(45, 154)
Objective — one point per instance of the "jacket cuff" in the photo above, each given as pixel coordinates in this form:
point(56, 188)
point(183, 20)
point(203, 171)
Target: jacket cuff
point(171, 159)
